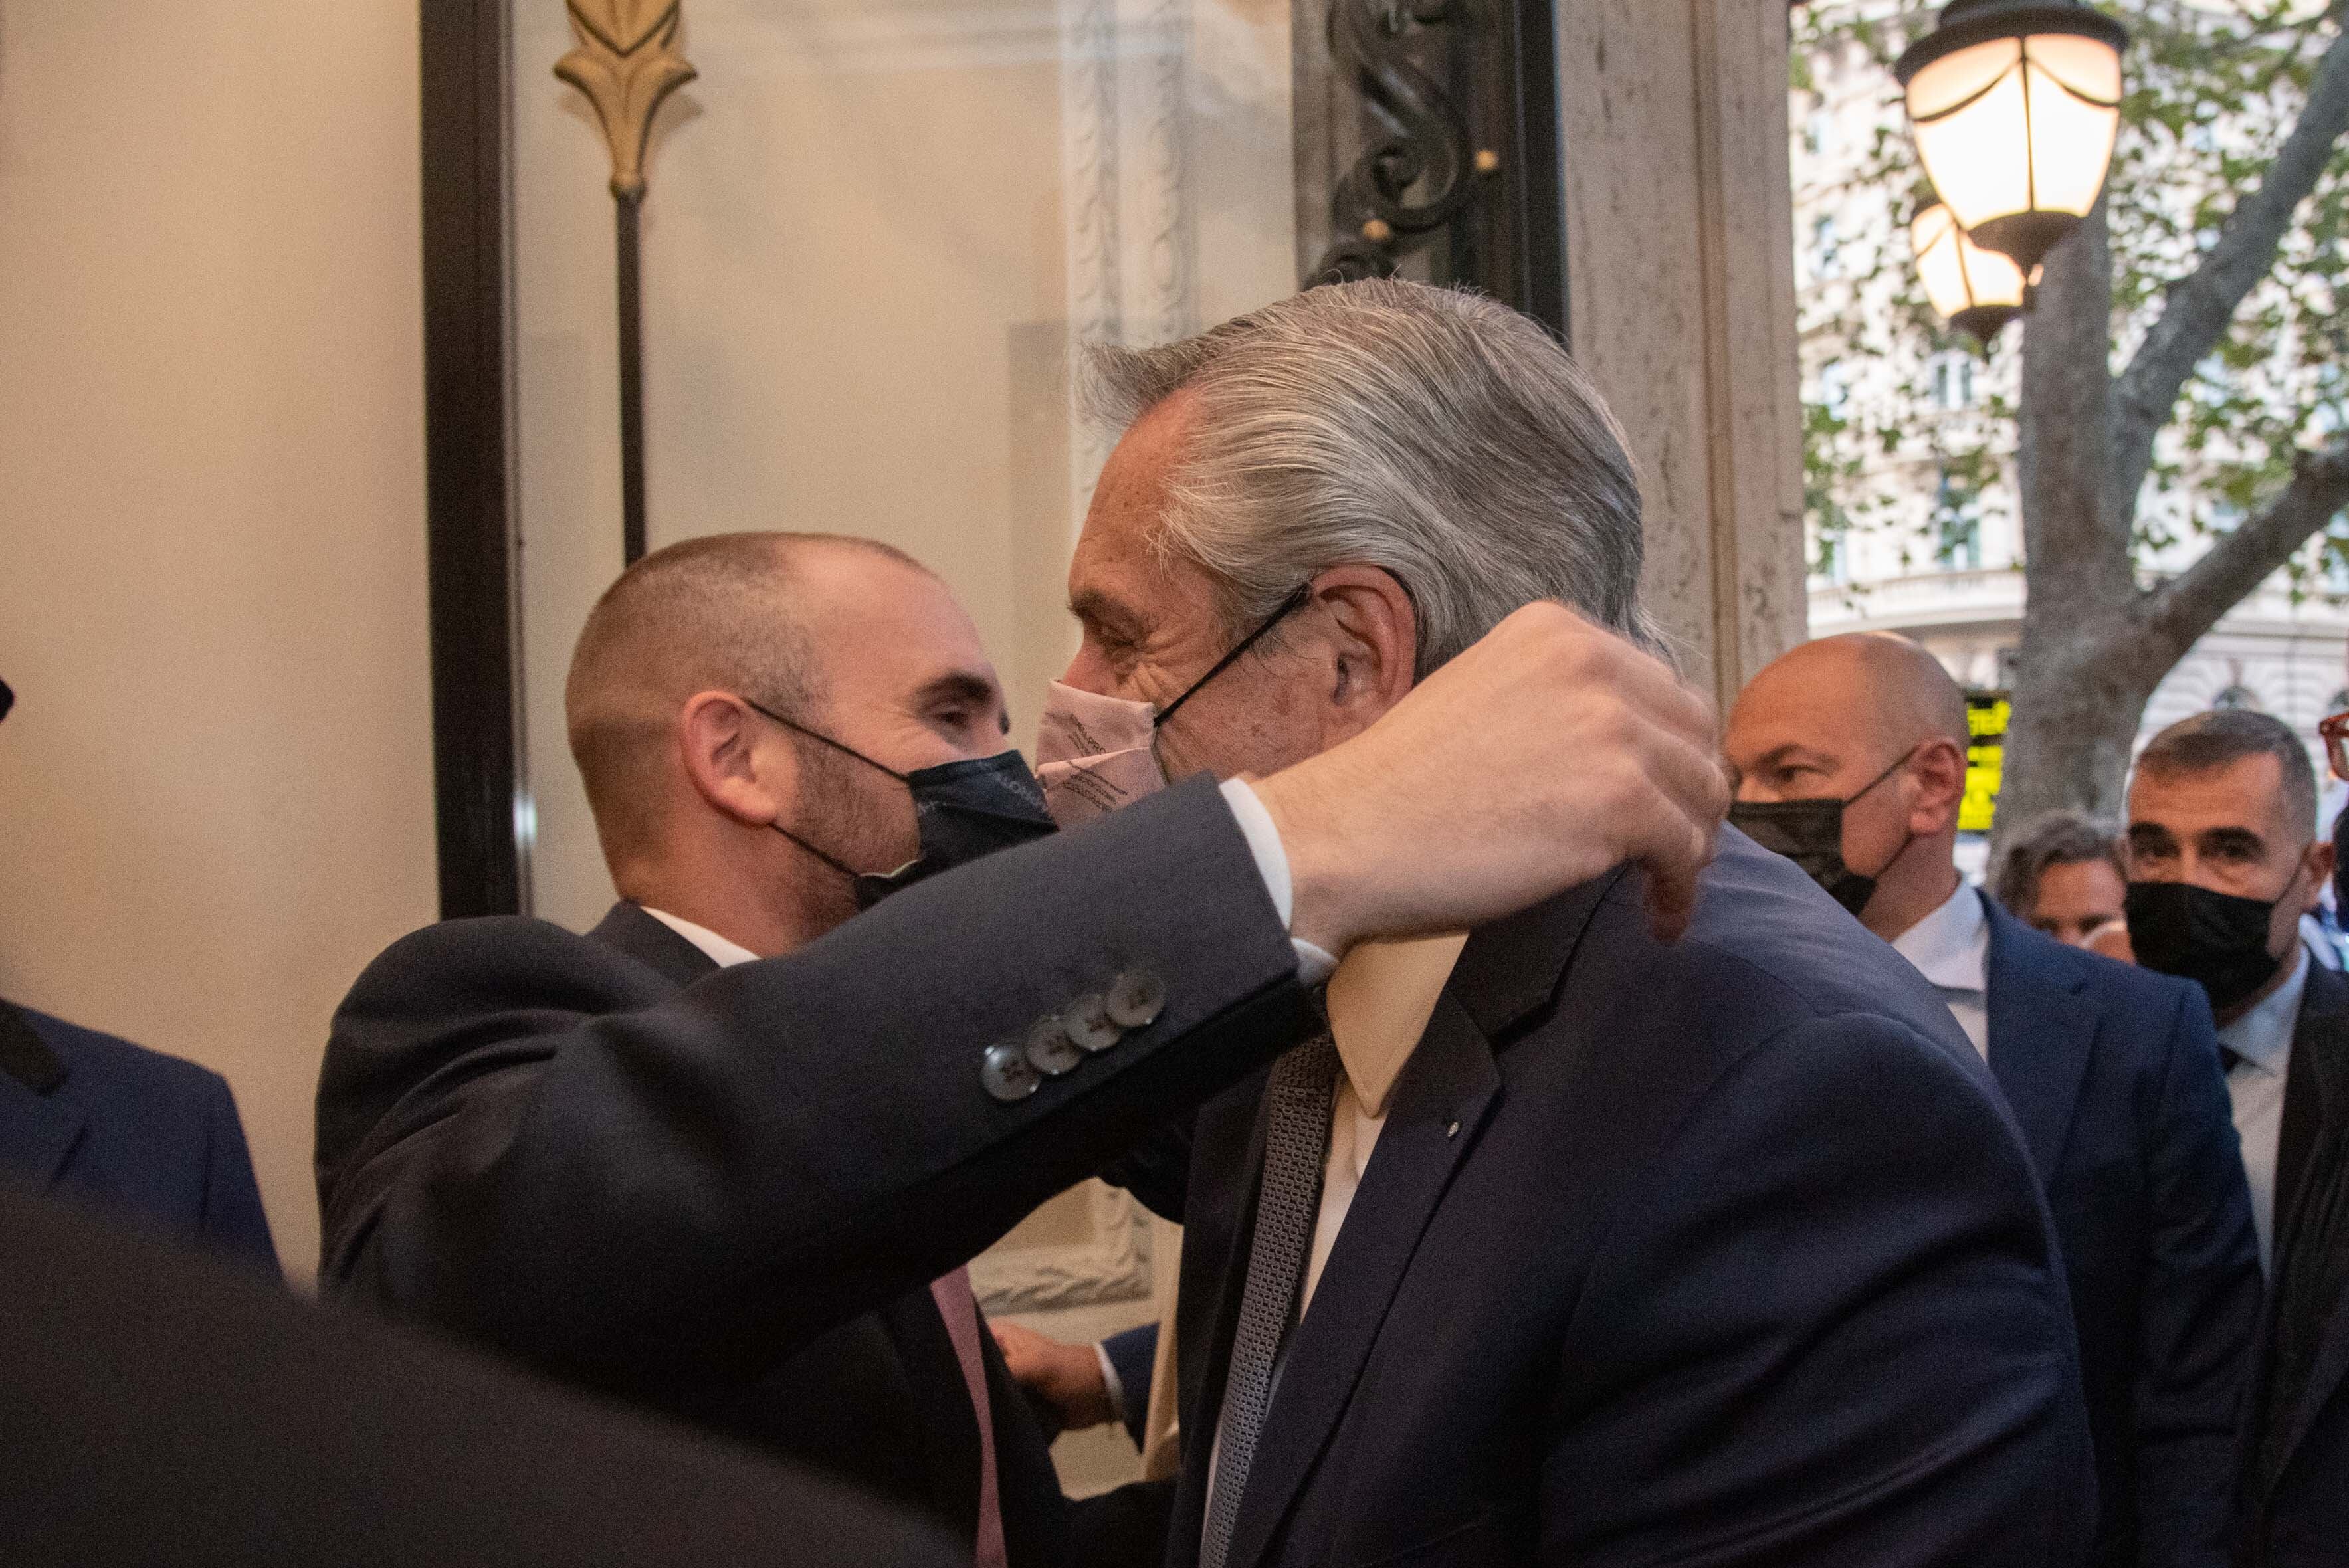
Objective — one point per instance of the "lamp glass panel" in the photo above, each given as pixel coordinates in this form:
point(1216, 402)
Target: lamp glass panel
point(1958, 273)
point(1978, 155)
point(2071, 139)
point(1955, 77)
point(2089, 67)
point(1992, 276)
point(1934, 236)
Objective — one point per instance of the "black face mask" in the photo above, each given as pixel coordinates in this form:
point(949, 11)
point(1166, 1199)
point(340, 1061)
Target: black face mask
point(1810, 834)
point(2216, 940)
point(964, 810)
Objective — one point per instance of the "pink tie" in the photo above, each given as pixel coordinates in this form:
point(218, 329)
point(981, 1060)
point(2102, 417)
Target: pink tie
point(959, 1308)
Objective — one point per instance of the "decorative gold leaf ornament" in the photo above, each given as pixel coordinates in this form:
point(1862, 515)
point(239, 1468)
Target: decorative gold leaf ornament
point(625, 66)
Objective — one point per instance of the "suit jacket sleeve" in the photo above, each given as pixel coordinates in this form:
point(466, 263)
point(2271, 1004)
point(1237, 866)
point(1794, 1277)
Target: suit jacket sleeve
point(1758, 1371)
point(232, 1215)
point(1133, 1355)
point(714, 1177)
point(2200, 1302)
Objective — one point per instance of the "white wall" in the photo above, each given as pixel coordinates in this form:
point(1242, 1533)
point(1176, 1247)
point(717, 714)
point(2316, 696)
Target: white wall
point(215, 792)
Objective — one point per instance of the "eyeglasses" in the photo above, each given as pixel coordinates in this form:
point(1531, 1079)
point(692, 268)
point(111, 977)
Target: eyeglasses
point(2335, 733)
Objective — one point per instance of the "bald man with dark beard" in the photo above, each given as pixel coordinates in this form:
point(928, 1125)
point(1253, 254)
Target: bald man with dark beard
point(1849, 756)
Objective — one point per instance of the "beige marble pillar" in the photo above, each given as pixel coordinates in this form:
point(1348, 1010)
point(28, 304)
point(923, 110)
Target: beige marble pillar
point(1680, 255)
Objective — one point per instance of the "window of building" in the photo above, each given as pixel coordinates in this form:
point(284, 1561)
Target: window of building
point(1834, 386)
point(1825, 259)
point(1951, 377)
point(1818, 131)
point(1957, 526)
point(1832, 559)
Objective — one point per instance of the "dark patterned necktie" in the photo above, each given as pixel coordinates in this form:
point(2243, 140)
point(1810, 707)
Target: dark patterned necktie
point(1287, 1205)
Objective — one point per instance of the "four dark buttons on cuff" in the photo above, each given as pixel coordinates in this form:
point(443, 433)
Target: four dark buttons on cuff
point(1012, 1070)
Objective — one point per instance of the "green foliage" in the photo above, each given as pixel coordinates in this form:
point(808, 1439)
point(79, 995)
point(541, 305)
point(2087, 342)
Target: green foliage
point(2212, 89)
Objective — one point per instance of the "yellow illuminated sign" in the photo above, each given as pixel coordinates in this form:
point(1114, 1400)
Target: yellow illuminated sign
point(1986, 714)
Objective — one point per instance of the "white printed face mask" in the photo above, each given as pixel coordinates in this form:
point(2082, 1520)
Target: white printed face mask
point(1097, 753)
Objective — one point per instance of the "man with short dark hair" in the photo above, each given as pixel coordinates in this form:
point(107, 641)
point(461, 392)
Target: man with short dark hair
point(2224, 861)
point(1850, 756)
point(727, 1153)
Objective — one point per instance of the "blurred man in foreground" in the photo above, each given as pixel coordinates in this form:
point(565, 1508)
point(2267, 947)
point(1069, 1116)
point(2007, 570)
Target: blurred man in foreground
point(666, 1160)
point(1851, 750)
point(2224, 861)
point(159, 1407)
point(1562, 1244)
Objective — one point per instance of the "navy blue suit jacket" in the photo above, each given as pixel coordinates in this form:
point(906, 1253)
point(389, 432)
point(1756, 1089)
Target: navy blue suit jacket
point(2112, 1072)
point(145, 1136)
point(2295, 1503)
point(1718, 1253)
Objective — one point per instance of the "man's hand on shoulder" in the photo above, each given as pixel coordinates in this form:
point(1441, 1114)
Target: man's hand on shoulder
point(1548, 753)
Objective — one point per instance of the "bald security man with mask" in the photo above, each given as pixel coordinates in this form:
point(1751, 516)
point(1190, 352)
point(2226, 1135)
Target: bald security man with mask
point(1849, 756)
point(726, 1154)
point(1562, 1244)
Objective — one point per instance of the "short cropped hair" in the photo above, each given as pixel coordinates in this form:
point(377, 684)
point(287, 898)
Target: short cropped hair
point(1432, 432)
point(715, 614)
point(2057, 838)
point(2224, 736)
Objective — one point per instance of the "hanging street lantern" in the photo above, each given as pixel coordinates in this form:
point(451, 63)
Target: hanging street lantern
point(1979, 291)
point(2015, 104)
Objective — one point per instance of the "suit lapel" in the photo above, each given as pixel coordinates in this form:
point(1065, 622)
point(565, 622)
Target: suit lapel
point(2041, 1031)
point(1440, 1104)
point(2321, 1036)
point(38, 1125)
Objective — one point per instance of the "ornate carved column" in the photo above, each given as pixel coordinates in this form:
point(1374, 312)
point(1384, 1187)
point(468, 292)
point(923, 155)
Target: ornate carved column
point(1680, 248)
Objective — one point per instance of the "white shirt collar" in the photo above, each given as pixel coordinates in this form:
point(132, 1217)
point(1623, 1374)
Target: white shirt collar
point(1950, 947)
point(2263, 1036)
point(720, 951)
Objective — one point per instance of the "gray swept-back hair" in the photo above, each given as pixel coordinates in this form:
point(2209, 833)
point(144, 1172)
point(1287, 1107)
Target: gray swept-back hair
point(1432, 432)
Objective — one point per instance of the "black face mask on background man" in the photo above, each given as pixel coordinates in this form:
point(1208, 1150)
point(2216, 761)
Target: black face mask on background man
point(1810, 834)
point(964, 811)
point(2215, 939)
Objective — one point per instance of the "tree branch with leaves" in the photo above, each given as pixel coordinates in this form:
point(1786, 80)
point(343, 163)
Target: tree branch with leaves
point(2217, 268)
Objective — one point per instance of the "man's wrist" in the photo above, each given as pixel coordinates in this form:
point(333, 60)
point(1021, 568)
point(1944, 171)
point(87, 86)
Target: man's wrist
point(1320, 914)
point(1269, 842)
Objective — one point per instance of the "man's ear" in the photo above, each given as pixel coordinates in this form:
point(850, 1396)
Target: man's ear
point(739, 764)
point(1940, 770)
point(1373, 629)
point(2321, 855)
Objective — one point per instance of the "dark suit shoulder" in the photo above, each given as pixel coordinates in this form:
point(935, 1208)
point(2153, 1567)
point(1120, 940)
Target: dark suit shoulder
point(471, 995)
point(1768, 950)
point(100, 1064)
point(499, 958)
point(2139, 1001)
